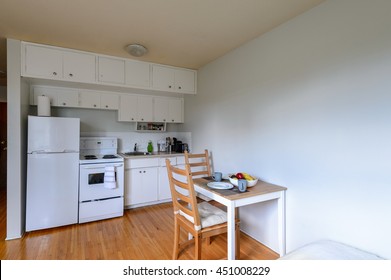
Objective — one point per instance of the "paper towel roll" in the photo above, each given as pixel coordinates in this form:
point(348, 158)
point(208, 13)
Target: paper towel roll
point(43, 106)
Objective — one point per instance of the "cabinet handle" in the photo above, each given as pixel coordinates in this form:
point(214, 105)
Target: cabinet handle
point(144, 171)
point(107, 106)
point(64, 104)
point(172, 120)
point(70, 75)
point(164, 120)
point(94, 105)
point(54, 73)
point(180, 87)
point(169, 86)
point(142, 119)
point(132, 119)
point(140, 171)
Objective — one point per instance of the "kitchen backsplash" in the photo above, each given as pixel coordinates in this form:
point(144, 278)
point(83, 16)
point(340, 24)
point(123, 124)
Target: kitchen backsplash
point(128, 139)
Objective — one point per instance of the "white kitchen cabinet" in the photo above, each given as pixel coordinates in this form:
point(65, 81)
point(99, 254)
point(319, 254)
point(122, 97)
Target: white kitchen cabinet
point(62, 97)
point(79, 67)
point(141, 181)
point(146, 180)
point(143, 186)
point(42, 62)
point(137, 74)
point(58, 64)
point(62, 64)
point(145, 108)
point(109, 101)
point(68, 99)
point(173, 79)
point(128, 108)
point(167, 109)
point(111, 70)
point(89, 99)
point(98, 100)
point(135, 108)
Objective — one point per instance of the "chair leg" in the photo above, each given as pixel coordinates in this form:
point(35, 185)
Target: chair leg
point(197, 246)
point(176, 241)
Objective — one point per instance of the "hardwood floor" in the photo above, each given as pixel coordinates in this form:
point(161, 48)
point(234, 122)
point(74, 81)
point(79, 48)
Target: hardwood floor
point(141, 234)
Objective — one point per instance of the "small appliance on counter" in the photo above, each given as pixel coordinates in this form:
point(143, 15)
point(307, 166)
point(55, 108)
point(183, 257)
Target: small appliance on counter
point(179, 147)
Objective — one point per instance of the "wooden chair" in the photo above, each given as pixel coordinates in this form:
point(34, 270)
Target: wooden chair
point(201, 220)
point(199, 164)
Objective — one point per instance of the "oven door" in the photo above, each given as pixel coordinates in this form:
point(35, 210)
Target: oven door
point(92, 181)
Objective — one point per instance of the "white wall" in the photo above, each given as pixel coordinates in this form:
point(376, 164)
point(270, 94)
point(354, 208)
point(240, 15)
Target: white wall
point(307, 106)
point(17, 99)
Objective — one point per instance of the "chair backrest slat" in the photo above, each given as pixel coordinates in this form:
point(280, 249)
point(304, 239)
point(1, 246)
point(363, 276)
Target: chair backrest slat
point(199, 163)
point(182, 191)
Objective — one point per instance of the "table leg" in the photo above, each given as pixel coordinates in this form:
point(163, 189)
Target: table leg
point(231, 231)
point(281, 225)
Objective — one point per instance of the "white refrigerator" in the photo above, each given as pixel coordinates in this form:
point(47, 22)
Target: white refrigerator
point(52, 172)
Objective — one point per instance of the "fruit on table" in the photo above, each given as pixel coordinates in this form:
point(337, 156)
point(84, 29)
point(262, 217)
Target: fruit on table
point(248, 177)
point(242, 175)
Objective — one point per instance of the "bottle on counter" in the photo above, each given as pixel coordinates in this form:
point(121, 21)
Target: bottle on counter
point(150, 147)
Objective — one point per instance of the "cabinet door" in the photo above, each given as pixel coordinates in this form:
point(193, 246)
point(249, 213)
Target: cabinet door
point(68, 98)
point(128, 108)
point(160, 109)
point(89, 99)
point(143, 185)
point(79, 67)
point(185, 80)
point(175, 110)
point(43, 62)
point(145, 108)
point(111, 70)
point(137, 73)
point(164, 191)
point(109, 101)
point(163, 78)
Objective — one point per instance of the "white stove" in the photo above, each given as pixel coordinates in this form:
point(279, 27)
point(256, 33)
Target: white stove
point(101, 180)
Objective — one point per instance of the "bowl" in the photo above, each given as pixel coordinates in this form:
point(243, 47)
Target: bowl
point(250, 183)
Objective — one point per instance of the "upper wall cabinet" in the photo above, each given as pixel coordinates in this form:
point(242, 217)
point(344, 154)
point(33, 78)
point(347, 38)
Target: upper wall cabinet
point(58, 64)
point(111, 70)
point(137, 74)
point(173, 79)
point(55, 63)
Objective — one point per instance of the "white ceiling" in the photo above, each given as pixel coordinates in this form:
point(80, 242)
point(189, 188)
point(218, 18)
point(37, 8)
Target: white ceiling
point(185, 33)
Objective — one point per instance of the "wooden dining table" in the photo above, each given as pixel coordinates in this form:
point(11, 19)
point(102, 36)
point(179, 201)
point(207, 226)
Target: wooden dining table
point(232, 199)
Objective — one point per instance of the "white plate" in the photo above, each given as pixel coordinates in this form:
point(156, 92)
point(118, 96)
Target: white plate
point(220, 185)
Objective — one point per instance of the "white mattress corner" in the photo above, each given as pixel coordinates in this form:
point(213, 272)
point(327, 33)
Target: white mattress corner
point(329, 250)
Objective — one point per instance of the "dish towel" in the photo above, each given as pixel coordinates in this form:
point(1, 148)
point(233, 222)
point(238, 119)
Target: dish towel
point(109, 179)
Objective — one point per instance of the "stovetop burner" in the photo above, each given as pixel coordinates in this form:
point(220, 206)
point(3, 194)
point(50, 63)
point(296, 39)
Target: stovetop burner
point(109, 156)
point(90, 157)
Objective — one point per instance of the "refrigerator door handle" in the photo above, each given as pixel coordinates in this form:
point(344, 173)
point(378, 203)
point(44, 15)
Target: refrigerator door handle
point(39, 152)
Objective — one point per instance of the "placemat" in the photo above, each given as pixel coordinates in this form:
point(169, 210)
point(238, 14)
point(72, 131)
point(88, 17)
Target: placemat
point(233, 191)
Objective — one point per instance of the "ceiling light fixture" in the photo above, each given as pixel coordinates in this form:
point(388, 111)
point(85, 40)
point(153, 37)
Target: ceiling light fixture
point(136, 50)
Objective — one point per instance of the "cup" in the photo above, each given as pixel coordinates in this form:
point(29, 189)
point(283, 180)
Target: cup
point(217, 176)
point(242, 185)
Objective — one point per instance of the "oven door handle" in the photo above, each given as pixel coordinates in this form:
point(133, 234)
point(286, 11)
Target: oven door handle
point(107, 165)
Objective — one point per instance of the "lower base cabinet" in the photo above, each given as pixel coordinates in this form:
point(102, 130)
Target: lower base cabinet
point(146, 181)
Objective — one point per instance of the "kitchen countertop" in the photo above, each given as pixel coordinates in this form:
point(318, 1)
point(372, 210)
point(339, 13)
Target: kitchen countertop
point(155, 154)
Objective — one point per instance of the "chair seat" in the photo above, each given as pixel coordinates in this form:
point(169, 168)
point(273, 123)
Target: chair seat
point(209, 215)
